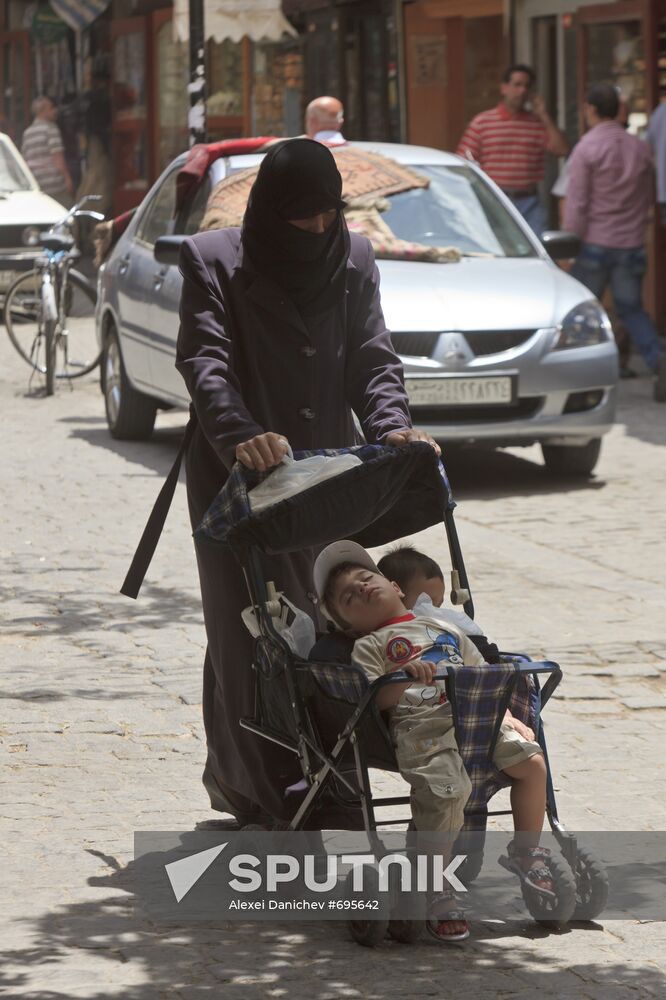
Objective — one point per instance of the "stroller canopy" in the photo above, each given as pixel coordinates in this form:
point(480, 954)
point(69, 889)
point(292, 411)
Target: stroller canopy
point(393, 492)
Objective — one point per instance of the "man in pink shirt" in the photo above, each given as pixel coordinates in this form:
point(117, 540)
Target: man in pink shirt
point(609, 194)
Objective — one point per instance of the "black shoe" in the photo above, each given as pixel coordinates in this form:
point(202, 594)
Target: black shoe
point(660, 380)
point(628, 373)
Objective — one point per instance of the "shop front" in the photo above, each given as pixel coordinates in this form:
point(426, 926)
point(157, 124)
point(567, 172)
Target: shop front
point(351, 51)
point(455, 54)
point(572, 45)
point(119, 73)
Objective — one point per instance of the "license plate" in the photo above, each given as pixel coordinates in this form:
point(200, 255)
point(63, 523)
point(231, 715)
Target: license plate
point(6, 278)
point(481, 390)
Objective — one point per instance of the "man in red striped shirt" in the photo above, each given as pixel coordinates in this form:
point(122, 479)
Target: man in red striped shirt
point(509, 143)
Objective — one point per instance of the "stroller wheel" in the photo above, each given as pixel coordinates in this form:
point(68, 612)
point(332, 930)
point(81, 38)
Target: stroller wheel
point(591, 886)
point(551, 910)
point(368, 933)
point(406, 931)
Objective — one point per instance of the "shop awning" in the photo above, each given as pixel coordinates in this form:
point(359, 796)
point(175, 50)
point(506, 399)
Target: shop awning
point(233, 19)
point(78, 14)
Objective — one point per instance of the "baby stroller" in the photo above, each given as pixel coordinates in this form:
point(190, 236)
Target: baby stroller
point(325, 713)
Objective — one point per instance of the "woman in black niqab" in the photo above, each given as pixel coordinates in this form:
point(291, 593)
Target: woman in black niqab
point(298, 179)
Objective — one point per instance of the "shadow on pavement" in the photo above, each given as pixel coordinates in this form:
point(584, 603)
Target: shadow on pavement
point(156, 454)
point(105, 947)
point(481, 473)
point(639, 414)
point(73, 613)
point(475, 472)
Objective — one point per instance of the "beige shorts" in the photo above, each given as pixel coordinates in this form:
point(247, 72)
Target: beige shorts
point(512, 748)
point(429, 760)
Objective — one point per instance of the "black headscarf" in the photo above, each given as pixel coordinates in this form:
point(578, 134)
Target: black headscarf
point(298, 179)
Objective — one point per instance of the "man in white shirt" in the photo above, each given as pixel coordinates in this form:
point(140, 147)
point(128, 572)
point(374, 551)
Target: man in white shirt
point(324, 118)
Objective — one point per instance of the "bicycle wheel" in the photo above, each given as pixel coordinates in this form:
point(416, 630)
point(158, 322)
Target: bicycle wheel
point(50, 354)
point(76, 346)
point(23, 320)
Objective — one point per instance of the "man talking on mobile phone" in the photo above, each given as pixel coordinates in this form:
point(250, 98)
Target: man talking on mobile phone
point(510, 143)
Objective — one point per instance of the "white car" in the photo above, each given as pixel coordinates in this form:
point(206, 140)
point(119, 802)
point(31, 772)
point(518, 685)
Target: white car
point(25, 212)
point(503, 347)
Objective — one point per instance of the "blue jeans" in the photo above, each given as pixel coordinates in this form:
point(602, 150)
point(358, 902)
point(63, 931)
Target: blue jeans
point(532, 212)
point(624, 270)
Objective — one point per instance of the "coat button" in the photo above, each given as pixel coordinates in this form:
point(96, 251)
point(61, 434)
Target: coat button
point(307, 413)
point(308, 352)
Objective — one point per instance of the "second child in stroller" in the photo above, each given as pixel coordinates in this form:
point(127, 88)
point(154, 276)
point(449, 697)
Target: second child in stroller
point(368, 606)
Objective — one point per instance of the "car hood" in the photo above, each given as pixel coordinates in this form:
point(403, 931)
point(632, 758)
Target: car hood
point(29, 208)
point(477, 294)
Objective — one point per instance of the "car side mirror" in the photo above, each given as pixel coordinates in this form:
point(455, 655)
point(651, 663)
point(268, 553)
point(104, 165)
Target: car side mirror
point(167, 249)
point(560, 245)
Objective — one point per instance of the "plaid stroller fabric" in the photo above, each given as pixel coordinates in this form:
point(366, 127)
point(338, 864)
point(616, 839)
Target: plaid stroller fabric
point(395, 490)
point(479, 696)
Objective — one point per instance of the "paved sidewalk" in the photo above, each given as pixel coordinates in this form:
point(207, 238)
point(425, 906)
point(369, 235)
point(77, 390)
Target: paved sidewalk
point(100, 731)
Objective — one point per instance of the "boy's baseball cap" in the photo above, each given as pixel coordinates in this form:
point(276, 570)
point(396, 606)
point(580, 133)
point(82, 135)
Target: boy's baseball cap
point(333, 555)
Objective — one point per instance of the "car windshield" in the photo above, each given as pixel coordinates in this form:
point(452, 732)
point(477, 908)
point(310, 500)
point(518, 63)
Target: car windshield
point(457, 209)
point(12, 175)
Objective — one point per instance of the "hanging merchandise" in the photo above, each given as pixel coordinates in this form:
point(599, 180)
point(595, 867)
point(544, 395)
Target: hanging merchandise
point(47, 27)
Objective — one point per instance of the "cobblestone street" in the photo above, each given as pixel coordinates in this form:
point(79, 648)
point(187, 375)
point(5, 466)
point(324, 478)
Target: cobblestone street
point(101, 731)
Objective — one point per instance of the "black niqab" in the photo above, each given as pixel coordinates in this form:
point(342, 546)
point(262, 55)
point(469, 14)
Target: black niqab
point(296, 180)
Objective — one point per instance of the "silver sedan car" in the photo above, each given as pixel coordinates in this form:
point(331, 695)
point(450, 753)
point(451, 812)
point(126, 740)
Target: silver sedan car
point(501, 347)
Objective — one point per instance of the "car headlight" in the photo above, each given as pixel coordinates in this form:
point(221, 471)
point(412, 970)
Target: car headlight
point(585, 324)
point(30, 236)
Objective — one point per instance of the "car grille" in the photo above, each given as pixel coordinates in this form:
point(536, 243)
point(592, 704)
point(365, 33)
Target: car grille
point(415, 345)
point(485, 342)
point(476, 414)
point(481, 342)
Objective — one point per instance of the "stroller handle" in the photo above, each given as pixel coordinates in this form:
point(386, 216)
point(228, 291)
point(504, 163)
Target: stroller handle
point(444, 672)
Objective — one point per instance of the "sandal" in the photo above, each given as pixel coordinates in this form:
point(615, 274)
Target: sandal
point(442, 926)
point(535, 876)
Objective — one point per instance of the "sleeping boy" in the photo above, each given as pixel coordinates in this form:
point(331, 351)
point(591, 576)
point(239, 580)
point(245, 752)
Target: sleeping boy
point(367, 605)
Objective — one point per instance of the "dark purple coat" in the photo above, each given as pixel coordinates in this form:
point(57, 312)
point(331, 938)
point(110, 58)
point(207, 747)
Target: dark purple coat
point(251, 364)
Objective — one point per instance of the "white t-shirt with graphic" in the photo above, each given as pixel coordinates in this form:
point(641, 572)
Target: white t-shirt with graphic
point(412, 637)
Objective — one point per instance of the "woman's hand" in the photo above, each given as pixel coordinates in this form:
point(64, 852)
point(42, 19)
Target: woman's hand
point(262, 451)
point(397, 439)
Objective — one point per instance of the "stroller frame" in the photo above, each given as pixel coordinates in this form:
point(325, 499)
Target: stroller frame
point(402, 491)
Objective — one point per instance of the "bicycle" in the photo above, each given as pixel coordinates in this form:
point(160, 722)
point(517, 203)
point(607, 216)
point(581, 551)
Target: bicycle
point(49, 312)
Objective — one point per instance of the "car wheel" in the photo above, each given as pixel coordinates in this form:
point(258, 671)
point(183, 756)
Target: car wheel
point(571, 460)
point(130, 415)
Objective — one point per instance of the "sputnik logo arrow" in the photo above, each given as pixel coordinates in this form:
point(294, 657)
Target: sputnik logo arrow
point(186, 873)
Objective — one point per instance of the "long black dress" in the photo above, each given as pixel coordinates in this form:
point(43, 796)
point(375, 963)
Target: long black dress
point(252, 363)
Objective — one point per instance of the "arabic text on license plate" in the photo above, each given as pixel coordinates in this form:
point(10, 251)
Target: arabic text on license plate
point(459, 391)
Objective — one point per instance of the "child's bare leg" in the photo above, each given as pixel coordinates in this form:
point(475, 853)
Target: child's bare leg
point(528, 803)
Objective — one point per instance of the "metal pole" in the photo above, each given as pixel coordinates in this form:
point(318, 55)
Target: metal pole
point(196, 118)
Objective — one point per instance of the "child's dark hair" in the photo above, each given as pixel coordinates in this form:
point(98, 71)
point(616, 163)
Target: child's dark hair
point(402, 565)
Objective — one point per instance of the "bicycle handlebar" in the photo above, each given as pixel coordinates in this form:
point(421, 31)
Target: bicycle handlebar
point(76, 212)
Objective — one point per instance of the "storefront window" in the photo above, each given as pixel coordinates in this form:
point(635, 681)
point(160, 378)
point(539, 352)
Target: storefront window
point(615, 53)
point(130, 138)
point(172, 97)
point(225, 79)
point(277, 89)
point(484, 63)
